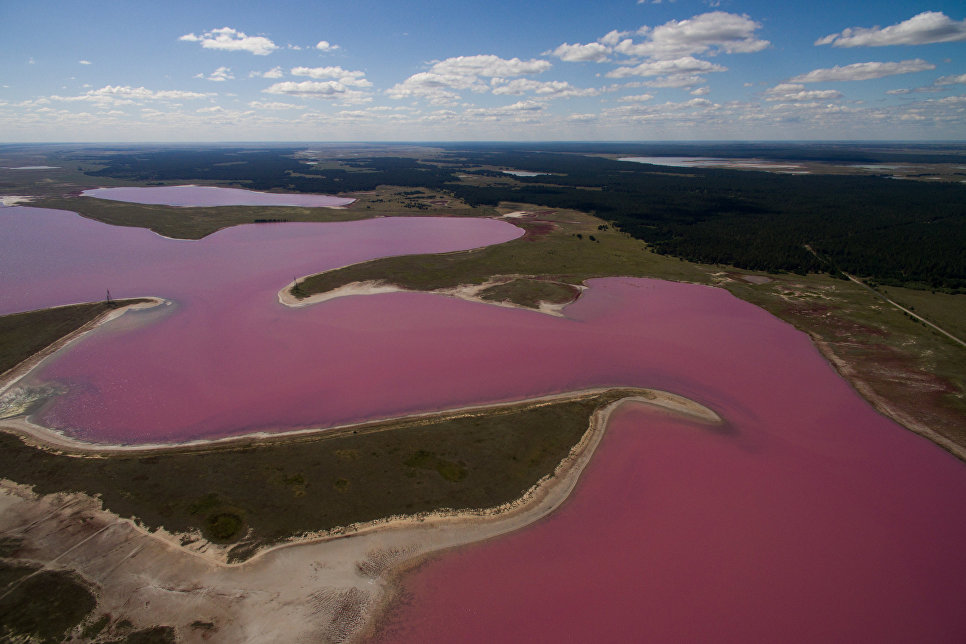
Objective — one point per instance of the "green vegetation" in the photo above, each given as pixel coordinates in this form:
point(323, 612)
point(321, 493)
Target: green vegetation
point(463, 460)
point(550, 248)
point(24, 334)
point(899, 232)
point(946, 310)
point(914, 368)
point(66, 603)
point(188, 223)
point(531, 292)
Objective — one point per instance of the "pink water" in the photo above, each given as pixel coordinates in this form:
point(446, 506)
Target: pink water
point(806, 517)
point(213, 196)
point(840, 529)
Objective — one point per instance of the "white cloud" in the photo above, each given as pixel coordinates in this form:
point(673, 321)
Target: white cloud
point(592, 52)
point(548, 89)
point(863, 71)
point(489, 65)
point(126, 95)
point(274, 105)
point(637, 98)
point(84, 62)
point(219, 75)
point(712, 33)
point(229, 39)
point(923, 29)
point(613, 37)
point(332, 89)
point(274, 72)
point(344, 76)
point(446, 78)
point(951, 80)
point(701, 91)
point(325, 45)
point(797, 92)
point(675, 80)
point(683, 65)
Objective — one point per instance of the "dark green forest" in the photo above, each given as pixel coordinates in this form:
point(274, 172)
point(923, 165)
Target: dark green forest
point(897, 232)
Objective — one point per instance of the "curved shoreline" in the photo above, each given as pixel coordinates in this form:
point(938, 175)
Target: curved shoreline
point(10, 377)
point(356, 562)
point(467, 292)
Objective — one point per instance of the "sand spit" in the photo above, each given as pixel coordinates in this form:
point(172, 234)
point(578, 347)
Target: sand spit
point(468, 292)
point(322, 587)
point(12, 376)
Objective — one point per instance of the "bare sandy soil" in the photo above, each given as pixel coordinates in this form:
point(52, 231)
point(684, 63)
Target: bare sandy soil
point(325, 587)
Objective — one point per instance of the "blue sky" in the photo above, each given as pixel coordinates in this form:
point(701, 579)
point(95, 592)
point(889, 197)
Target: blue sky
point(407, 71)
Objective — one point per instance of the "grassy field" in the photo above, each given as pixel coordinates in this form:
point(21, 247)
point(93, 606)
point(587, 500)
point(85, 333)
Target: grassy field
point(279, 488)
point(560, 246)
point(942, 309)
point(917, 370)
point(195, 223)
point(24, 334)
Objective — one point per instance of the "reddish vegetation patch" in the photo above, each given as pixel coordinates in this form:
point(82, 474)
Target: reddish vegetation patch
point(537, 229)
point(892, 376)
point(439, 202)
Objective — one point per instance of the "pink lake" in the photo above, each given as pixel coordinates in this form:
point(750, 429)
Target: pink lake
point(213, 196)
point(806, 517)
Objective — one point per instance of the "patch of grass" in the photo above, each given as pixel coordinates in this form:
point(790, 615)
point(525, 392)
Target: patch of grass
point(24, 334)
point(550, 248)
point(425, 460)
point(471, 460)
point(917, 370)
point(187, 222)
point(94, 628)
point(223, 527)
point(67, 601)
point(531, 292)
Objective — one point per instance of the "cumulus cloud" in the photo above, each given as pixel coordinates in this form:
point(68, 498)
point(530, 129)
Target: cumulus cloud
point(925, 28)
point(489, 65)
point(126, 95)
point(331, 90)
point(797, 92)
point(951, 80)
point(636, 98)
point(683, 65)
point(548, 89)
point(593, 52)
point(84, 62)
point(325, 45)
point(344, 76)
point(219, 75)
point(711, 33)
point(274, 105)
point(446, 78)
point(675, 80)
point(863, 71)
point(275, 72)
point(229, 39)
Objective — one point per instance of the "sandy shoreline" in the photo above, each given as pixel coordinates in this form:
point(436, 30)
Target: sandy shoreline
point(9, 378)
point(330, 585)
point(468, 292)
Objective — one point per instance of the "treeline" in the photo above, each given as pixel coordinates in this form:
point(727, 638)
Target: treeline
point(267, 169)
point(899, 232)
